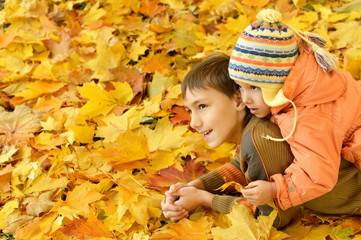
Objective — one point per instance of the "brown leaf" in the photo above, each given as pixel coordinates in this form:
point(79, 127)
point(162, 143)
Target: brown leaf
point(166, 177)
point(92, 228)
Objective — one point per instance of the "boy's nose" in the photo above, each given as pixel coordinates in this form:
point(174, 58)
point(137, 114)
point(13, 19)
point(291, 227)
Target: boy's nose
point(196, 122)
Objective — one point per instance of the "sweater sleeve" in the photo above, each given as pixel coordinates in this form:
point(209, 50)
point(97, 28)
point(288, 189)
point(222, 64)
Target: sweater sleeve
point(226, 173)
point(223, 204)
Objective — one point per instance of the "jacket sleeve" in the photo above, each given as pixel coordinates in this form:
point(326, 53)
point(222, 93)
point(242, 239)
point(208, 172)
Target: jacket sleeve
point(316, 146)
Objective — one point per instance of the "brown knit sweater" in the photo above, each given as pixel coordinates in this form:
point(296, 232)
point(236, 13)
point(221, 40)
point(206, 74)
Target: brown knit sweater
point(238, 170)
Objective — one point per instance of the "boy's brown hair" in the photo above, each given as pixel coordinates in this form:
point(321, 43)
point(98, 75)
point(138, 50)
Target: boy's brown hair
point(212, 72)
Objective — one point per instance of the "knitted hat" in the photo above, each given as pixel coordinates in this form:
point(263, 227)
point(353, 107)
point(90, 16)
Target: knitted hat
point(264, 55)
point(267, 50)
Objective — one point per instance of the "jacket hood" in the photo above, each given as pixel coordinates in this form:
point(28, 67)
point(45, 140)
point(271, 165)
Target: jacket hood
point(307, 84)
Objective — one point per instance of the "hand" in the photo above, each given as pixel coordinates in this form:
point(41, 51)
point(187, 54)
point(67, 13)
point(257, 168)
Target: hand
point(190, 198)
point(260, 192)
point(174, 188)
point(171, 211)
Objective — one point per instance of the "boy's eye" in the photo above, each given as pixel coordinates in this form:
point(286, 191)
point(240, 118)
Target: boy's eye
point(254, 87)
point(201, 106)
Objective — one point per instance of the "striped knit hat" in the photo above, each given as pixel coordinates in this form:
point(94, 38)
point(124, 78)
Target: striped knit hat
point(264, 55)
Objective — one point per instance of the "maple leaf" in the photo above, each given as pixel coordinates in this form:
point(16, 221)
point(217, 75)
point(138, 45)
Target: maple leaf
point(5, 176)
point(182, 116)
point(131, 76)
point(81, 197)
point(157, 63)
point(40, 204)
point(101, 101)
point(36, 89)
point(244, 225)
point(151, 8)
point(159, 84)
point(18, 125)
point(129, 147)
point(166, 177)
point(115, 125)
point(186, 229)
point(60, 50)
point(165, 136)
point(92, 228)
point(346, 35)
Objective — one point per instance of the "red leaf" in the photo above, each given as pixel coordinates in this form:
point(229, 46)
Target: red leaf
point(164, 178)
point(182, 116)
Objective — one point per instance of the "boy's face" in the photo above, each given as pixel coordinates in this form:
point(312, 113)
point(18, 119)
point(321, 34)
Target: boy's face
point(214, 115)
point(253, 98)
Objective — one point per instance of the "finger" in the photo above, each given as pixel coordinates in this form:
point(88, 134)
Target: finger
point(175, 214)
point(169, 204)
point(174, 188)
point(179, 217)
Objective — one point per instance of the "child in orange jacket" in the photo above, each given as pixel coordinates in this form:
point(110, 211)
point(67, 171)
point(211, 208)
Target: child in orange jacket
point(316, 106)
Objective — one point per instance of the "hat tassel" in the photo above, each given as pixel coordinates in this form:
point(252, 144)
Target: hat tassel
point(327, 61)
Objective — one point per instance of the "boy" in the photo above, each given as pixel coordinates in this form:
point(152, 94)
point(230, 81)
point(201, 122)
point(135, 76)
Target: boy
point(218, 113)
point(317, 108)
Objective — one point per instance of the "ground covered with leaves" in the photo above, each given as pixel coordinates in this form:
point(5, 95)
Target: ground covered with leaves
point(92, 128)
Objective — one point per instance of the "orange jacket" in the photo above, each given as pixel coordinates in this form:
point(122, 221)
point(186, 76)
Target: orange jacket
point(328, 128)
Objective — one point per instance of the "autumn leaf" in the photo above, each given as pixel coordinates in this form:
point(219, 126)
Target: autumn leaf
point(18, 125)
point(92, 228)
point(169, 176)
point(186, 229)
point(243, 225)
point(5, 176)
point(165, 136)
point(182, 116)
point(151, 8)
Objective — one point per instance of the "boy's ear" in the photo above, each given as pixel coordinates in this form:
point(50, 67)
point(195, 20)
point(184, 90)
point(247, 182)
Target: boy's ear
point(239, 102)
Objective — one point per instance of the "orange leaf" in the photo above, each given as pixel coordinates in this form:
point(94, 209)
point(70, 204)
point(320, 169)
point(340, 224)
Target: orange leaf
point(151, 8)
point(5, 175)
point(182, 116)
point(158, 63)
point(169, 176)
point(92, 228)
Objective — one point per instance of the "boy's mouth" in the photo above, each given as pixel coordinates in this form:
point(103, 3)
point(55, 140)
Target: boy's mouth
point(206, 133)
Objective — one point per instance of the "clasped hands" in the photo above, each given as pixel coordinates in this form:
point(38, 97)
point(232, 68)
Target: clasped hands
point(182, 198)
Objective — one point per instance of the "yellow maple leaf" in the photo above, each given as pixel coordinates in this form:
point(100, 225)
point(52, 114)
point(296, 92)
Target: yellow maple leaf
point(100, 101)
point(237, 25)
point(38, 88)
point(164, 136)
point(244, 225)
point(186, 229)
point(128, 147)
point(80, 198)
point(159, 84)
point(347, 35)
point(83, 133)
point(45, 183)
point(18, 125)
point(94, 14)
point(130, 120)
